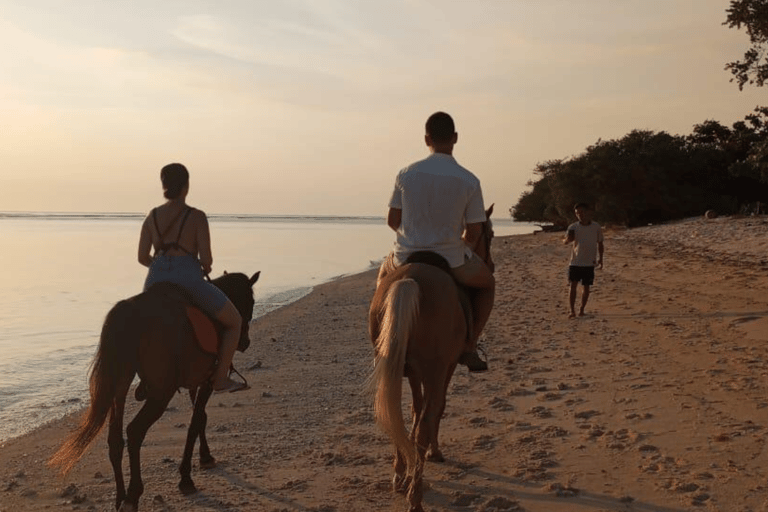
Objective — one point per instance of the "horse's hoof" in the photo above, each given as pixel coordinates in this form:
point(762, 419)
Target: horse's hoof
point(127, 507)
point(208, 463)
point(187, 488)
point(417, 508)
point(435, 456)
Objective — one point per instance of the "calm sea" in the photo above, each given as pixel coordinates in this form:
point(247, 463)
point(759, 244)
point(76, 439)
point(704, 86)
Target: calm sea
point(62, 272)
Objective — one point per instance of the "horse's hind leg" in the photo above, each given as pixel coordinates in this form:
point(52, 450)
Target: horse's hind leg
point(434, 406)
point(136, 432)
point(433, 452)
point(401, 480)
point(196, 429)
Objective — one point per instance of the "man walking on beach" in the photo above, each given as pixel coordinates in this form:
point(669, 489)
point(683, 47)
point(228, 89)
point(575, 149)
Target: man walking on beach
point(437, 205)
point(587, 239)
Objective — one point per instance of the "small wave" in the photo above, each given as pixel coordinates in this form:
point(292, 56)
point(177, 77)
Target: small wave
point(222, 217)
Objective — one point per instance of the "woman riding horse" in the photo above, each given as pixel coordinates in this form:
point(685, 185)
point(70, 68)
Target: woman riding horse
point(183, 259)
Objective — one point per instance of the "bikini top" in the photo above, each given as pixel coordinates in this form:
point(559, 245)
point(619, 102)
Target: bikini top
point(164, 246)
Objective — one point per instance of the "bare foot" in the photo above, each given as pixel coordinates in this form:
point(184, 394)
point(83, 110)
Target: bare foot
point(572, 315)
point(581, 313)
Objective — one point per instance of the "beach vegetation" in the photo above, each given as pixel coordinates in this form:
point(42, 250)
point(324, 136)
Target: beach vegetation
point(751, 15)
point(647, 177)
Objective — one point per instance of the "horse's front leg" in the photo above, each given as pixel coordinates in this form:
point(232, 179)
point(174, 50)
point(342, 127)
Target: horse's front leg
point(206, 459)
point(196, 427)
point(116, 445)
point(136, 432)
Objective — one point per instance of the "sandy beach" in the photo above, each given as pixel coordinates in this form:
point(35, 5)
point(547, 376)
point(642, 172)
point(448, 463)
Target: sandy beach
point(656, 400)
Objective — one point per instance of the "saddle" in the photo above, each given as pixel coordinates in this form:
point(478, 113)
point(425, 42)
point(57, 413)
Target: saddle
point(465, 293)
point(205, 328)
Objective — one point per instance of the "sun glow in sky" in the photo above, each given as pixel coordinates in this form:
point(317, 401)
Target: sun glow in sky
point(312, 106)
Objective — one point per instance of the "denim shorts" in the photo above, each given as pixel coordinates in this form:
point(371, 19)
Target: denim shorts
point(185, 271)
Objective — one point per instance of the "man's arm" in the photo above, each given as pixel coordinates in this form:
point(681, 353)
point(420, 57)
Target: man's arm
point(394, 218)
point(570, 237)
point(472, 233)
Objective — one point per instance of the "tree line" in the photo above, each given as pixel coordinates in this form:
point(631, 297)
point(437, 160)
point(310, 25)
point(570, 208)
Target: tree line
point(650, 177)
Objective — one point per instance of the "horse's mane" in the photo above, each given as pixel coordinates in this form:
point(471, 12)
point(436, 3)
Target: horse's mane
point(229, 279)
point(237, 287)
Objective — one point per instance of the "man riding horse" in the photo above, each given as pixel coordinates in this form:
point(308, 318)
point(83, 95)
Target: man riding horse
point(437, 205)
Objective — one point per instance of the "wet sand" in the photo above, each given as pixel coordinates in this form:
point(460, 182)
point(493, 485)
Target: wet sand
point(656, 400)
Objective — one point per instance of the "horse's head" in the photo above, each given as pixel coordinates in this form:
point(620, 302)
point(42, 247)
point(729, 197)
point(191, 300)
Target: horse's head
point(239, 288)
point(483, 245)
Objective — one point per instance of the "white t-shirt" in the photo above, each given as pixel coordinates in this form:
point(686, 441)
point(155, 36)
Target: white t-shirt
point(438, 197)
point(584, 253)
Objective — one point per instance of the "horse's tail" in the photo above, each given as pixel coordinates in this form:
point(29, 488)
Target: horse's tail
point(116, 352)
point(386, 381)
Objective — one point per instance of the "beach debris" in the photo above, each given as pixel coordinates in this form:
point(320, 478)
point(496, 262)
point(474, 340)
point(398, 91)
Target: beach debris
point(257, 364)
point(464, 499)
point(586, 414)
point(562, 491)
point(700, 498)
point(500, 504)
point(70, 490)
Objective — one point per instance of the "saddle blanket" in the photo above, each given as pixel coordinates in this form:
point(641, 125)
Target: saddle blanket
point(205, 331)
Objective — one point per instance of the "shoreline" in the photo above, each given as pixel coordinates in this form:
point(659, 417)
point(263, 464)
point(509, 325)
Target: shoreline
point(656, 400)
point(262, 307)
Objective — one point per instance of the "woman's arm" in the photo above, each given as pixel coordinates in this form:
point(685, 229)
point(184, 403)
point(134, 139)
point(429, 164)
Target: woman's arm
point(204, 242)
point(145, 243)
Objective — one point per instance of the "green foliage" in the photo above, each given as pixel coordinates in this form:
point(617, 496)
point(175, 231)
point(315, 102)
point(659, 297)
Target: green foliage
point(649, 177)
point(753, 16)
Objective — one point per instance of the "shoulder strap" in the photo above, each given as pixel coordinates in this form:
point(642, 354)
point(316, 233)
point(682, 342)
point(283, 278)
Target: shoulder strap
point(183, 221)
point(161, 234)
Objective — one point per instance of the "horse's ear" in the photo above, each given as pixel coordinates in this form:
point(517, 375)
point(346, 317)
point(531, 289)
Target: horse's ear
point(225, 272)
point(254, 278)
point(489, 212)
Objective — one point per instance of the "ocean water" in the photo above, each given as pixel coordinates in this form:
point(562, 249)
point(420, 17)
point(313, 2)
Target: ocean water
point(64, 271)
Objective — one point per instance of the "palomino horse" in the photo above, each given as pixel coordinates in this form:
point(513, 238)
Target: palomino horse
point(418, 326)
point(150, 335)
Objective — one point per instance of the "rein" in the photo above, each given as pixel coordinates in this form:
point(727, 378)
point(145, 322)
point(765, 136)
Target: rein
point(485, 238)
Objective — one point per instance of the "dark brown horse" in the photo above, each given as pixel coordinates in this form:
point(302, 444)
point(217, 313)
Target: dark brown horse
point(419, 329)
point(151, 335)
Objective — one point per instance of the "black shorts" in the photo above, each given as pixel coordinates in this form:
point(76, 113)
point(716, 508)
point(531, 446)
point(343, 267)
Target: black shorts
point(584, 274)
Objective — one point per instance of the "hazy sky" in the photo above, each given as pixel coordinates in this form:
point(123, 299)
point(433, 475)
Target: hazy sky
point(312, 106)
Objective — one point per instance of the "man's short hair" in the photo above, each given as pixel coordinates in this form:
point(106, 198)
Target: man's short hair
point(440, 127)
point(582, 205)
